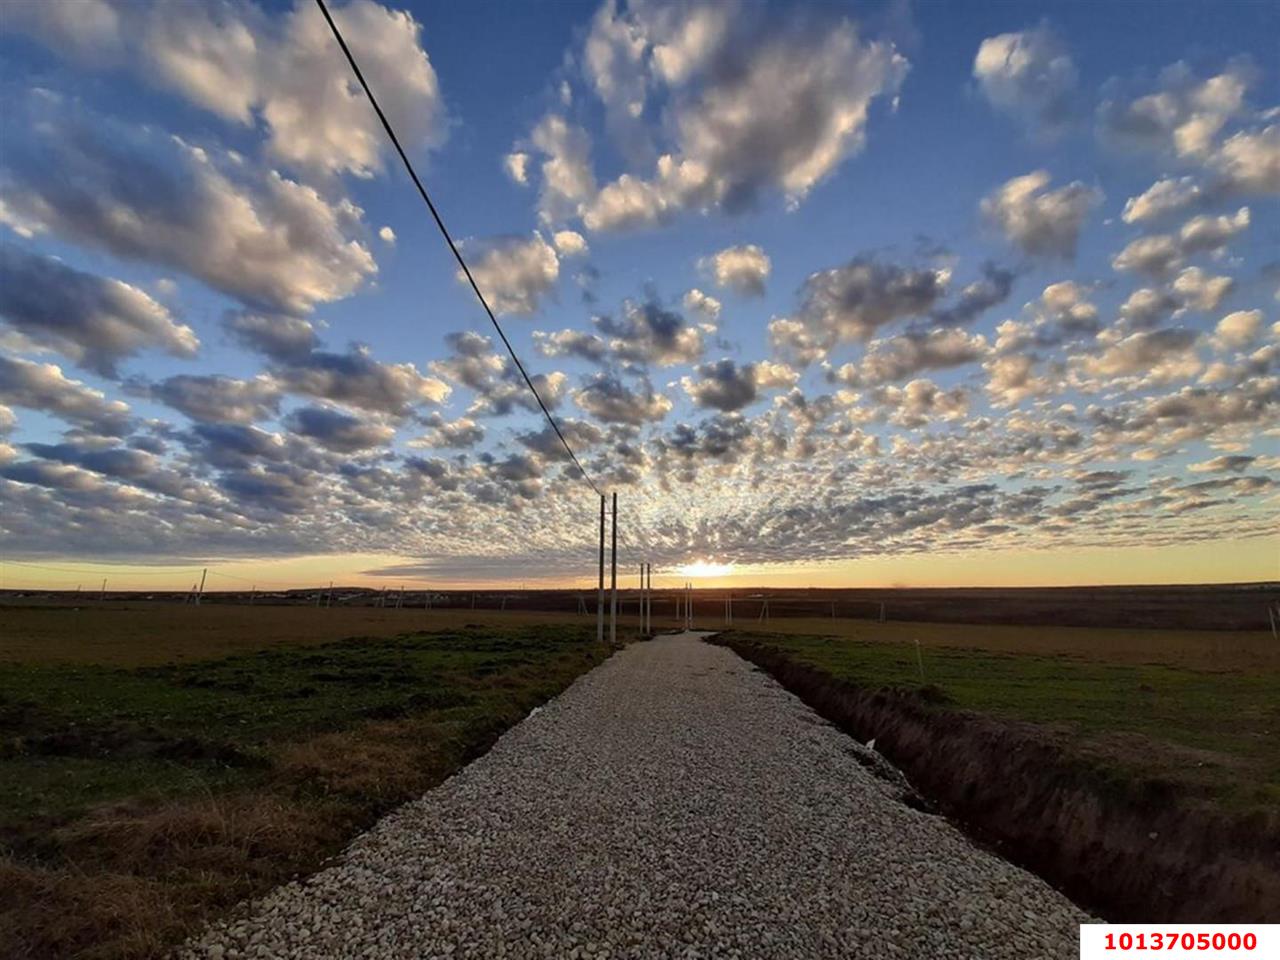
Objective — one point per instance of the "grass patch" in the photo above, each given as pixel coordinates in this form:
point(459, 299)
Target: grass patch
point(1217, 733)
point(138, 801)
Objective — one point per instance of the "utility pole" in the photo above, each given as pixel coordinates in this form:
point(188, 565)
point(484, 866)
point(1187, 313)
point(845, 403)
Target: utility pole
point(200, 593)
point(640, 598)
point(600, 587)
point(102, 594)
point(648, 598)
point(613, 576)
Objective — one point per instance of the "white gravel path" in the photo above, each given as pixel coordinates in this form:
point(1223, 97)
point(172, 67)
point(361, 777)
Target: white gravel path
point(675, 802)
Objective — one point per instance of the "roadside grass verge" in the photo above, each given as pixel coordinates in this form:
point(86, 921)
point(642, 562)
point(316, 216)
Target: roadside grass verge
point(1146, 792)
point(138, 802)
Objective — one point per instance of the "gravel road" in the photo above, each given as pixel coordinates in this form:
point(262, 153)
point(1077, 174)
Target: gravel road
point(675, 802)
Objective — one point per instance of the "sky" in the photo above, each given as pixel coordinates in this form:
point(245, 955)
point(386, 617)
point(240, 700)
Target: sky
point(836, 293)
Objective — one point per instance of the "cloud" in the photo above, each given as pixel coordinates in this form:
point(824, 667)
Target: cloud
point(1156, 255)
point(742, 269)
point(1012, 378)
point(705, 304)
point(1223, 464)
point(286, 72)
point(219, 399)
point(1188, 118)
point(1158, 356)
point(609, 400)
point(852, 302)
point(279, 337)
point(1147, 307)
point(571, 343)
point(1066, 307)
point(921, 401)
point(1162, 198)
point(514, 274)
point(1041, 222)
point(1029, 76)
point(567, 178)
point(1197, 290)
point(907, 354)
point(1249, 162)
point(387, 236)
point(569, 243)
point(457, 434)
point(756, 106)
point(256, 236)
point(93, 321)
point(1238, 329)
point(580, 435)
point(649, 334)
point(498, 385)
point(978, 297)
point(1212, 234)
point(338, 431)
point(44, 388)
point(1182, 117)
point(356, 379)
point(516, 165)
point(726, 386)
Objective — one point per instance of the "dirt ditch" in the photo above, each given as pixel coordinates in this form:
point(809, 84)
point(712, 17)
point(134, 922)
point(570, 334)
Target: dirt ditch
point(1127, 849)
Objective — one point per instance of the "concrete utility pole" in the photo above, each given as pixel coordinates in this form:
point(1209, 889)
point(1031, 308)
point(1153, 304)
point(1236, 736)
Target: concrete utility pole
point(200, 593)
point(600, 587)
point(102, 594)
point(613, 576)
point(640, 599)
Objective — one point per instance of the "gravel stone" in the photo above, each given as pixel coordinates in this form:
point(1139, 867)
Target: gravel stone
point(674, 802)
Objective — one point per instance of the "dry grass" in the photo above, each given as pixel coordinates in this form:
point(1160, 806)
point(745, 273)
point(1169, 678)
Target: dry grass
point(136, 633)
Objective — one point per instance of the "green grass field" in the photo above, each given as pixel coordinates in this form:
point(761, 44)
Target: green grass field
point(135, 801)
point(1215, 730)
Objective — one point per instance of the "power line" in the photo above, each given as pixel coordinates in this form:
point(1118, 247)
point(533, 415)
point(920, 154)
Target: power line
point(386, 125)
point(170, 572)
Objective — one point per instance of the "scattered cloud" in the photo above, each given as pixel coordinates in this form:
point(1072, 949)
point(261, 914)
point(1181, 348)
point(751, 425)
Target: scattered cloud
point(1030, 76)
point(756, 106)
point(726, 386)
point(93, 321)
point(254, 235)
point(1038, 221)
point(338, 431)
point(247, 67)
point(514, 274)
point(742, 269)
point(44, 388)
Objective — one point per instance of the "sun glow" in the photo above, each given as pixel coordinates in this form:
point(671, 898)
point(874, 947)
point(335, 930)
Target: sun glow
point(705, 568)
